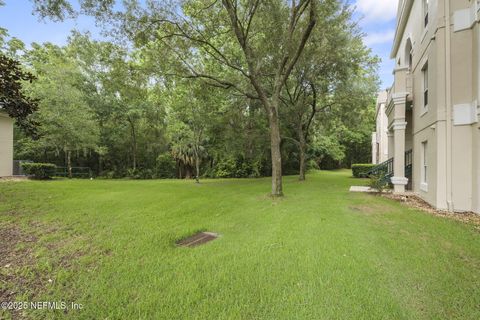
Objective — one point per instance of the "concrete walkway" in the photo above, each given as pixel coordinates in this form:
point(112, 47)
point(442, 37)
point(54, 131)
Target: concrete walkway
point(362, 189)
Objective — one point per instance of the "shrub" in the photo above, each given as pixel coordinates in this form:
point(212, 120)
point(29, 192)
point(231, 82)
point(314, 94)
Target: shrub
point(140, 173)
point(108, 174)
point(166, 166)
point(235, 168)
point(360, 170)
point(225, 168)
point(39, 170)
point(377, 182)
point(115, 173)
point(312, 165)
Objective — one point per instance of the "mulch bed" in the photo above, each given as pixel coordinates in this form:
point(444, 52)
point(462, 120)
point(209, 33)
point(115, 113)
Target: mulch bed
point(418, 203)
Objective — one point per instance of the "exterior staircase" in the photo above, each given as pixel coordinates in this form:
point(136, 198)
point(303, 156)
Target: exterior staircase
point(409, 168)
point(385, 169)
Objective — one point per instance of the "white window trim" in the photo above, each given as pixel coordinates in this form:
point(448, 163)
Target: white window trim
point(423, 172)
point(425, 106)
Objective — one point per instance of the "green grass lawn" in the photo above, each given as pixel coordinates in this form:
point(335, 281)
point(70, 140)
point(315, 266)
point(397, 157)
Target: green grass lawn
point(319, 253)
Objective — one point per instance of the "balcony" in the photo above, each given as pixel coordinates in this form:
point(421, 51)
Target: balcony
point(403, 84)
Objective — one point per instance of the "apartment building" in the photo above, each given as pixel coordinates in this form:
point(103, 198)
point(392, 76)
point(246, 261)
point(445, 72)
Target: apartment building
point(6, 145)
point(380, 136)
point(432, 107)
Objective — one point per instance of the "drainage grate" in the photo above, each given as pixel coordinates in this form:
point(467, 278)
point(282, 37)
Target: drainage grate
point(197, 239)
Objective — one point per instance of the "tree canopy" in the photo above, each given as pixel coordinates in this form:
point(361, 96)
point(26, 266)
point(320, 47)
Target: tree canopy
point(13, 99)
point(198, 88)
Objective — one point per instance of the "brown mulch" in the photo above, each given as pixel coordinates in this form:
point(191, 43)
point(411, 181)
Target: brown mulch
point(418, 203)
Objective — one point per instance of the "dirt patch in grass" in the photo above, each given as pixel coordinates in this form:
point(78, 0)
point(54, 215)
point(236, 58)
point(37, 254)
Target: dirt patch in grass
point(371, 208)
point(20, 273)
point(16, 255)
point(418, 203)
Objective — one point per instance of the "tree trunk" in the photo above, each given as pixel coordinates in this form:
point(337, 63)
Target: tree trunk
point(197, 169)
point(180, 171)
point(302, 147)
point(100, 164)
point(188, 172)
point(134, 144)
point(275, 140)
point(69, 163)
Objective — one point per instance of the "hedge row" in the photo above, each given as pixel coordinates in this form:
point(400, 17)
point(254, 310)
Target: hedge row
point(39, 170)
point(360, 170)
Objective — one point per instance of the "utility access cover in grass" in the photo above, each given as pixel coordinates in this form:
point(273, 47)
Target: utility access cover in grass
point(197, 239)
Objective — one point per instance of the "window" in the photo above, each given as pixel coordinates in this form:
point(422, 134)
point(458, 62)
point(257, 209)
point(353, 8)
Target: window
point(424, 169)
point(425, 86)
point(408, 54)
point(425, 13)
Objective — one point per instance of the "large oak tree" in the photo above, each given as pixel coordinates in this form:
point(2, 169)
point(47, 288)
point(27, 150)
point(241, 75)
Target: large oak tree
point(259, 41)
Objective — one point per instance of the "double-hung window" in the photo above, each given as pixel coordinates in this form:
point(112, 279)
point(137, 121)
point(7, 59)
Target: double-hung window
point(425, 86)
point(424, 168)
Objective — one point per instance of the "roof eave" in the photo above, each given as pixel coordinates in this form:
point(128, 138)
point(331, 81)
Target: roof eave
point(401, 23)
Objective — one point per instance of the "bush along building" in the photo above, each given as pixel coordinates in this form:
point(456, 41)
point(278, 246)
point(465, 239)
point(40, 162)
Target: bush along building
point(432, 107)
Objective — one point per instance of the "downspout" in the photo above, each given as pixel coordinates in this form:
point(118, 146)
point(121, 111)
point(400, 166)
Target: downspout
point(477, 10)
point(448, 106)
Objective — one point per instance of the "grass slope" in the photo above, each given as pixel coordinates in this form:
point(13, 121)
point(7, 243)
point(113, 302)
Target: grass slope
point(319, 253)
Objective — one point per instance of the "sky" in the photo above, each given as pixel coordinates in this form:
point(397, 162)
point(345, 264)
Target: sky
point(377, 20)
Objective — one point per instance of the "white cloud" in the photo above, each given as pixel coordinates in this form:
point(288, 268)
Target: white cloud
point(379, 37)
point(377, 10)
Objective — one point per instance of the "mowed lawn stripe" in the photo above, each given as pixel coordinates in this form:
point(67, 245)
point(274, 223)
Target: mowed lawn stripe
point(318, 253)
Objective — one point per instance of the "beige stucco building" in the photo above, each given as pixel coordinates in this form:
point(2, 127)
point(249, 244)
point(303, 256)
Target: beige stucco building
point(6, 145)
point(432, 107)
point(380, 136)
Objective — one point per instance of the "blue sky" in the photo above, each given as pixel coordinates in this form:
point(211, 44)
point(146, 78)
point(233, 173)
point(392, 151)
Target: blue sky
point(377, 22)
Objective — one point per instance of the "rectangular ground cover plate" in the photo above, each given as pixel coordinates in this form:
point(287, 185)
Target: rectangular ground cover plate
point(197, 239)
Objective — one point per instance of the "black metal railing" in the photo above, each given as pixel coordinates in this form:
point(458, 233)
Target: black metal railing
point(77, 172)
point(382, 168)
point(385, 169)
point(408, 162)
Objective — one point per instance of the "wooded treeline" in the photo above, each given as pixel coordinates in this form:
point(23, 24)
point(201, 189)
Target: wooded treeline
point(197, 88)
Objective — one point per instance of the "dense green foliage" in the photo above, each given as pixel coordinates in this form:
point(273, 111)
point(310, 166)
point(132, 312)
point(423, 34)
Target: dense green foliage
point(13, 100)
point(360, 170)
point(39, 170)
point(319, 253)
point(185, 106)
